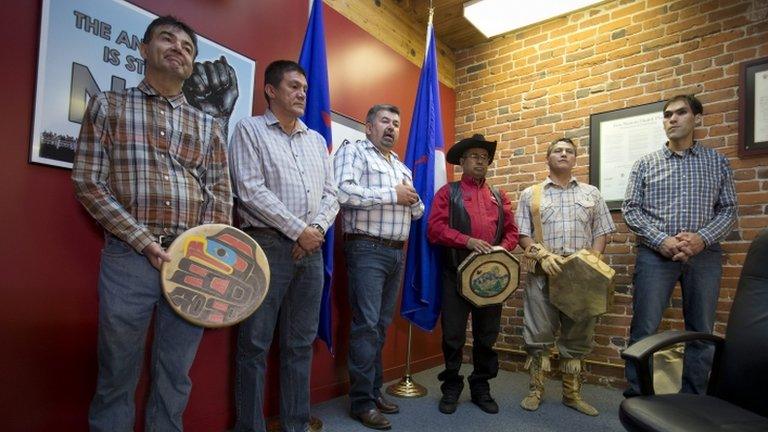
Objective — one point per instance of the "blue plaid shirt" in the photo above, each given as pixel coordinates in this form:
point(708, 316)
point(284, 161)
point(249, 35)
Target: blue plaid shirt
point(669, 193)
point(283, 181)
point(367, 183)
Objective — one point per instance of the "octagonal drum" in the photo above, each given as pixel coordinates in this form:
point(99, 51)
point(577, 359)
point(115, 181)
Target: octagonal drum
point(584, 288)
point(488, 279)
point(217, 276)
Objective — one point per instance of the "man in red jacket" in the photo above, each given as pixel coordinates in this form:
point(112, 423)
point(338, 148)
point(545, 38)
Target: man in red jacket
point(468, 216)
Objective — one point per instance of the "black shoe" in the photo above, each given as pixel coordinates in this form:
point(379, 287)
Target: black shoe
point(386, 406)
point(451, 387)
point(486, 403)
point(449, 402)
point(372, 419)
point(630, 393)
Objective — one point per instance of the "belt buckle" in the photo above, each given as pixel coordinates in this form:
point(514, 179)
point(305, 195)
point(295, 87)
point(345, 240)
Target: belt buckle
point(163, 239)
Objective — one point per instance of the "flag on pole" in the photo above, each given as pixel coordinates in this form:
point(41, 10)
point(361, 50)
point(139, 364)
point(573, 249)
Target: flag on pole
point(317, 116)
point(426, 159)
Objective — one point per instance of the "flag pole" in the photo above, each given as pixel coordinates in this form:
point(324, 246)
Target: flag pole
point(407, 387)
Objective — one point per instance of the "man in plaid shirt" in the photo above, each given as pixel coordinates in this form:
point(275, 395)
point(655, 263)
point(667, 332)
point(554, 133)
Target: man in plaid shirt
point(379, 202)
point(148, 166)
point(286, 193)
point(681, 202)
point(574, 216)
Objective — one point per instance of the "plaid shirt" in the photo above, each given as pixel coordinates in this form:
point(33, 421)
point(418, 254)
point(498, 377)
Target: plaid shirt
point(282, 181)
point(571, 217)
point(147, 165)
point(669, 193)
point(367, 183)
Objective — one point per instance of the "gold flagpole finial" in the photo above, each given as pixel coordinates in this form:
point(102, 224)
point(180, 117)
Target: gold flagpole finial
point(431, 12)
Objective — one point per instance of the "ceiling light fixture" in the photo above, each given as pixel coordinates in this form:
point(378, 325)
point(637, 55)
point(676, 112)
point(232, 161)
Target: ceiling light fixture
point(494, 17)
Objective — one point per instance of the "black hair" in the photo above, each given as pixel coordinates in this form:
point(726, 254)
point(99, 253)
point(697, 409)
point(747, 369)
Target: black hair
point(371, 116)
point(173, 22)
point(693, 103)
point(274, 73)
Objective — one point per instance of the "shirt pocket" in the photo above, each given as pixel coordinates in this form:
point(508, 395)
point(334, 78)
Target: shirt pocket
point(584, 208)
point(547, 211)
point(188, 149)
point(406, 175)
point(378, 167)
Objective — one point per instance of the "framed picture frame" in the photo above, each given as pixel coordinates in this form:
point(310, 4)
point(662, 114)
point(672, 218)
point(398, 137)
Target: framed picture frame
point(616, 140)
point(88, 46)
point(345, 130)
point(753, 108)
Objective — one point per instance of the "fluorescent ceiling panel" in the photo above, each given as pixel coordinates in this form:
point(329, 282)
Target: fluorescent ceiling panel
point(494, 17)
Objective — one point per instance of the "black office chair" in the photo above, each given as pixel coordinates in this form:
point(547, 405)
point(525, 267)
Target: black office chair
point(737, 394)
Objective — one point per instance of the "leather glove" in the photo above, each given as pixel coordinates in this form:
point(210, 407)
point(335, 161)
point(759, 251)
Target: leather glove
point(551, 264)
point(549, 261)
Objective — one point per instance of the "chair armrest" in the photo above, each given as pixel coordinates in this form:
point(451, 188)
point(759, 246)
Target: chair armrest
point(641, 352)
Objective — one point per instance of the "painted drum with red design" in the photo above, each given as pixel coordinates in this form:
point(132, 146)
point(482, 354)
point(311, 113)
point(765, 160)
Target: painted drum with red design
point(217, 276)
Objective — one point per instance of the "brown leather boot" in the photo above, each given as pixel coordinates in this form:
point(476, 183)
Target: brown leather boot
point(571, 369)
point(536, 365)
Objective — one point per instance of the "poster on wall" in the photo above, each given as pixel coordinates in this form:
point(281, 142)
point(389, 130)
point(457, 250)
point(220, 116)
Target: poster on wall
point(345, 130)
point(88, 46)
point(616, 140)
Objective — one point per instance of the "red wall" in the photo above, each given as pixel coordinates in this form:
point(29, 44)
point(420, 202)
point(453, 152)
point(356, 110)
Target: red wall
point(51, 247)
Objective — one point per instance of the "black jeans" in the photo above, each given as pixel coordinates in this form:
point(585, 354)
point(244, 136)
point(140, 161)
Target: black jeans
point(485, 329)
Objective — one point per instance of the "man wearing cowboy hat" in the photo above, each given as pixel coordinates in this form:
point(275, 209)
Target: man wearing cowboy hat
point(469, 215)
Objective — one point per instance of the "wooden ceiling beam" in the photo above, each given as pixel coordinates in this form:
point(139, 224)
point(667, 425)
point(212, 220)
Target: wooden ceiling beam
point(394, 23)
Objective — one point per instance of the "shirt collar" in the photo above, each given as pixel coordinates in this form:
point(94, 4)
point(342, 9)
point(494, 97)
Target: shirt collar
point(175, 101)
point(470, 181)
point(549, 182)
point(269, 116)
point(695, 149)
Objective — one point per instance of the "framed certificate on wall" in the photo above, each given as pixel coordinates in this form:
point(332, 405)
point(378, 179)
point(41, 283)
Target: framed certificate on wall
point(753, 108)
point(616, 140)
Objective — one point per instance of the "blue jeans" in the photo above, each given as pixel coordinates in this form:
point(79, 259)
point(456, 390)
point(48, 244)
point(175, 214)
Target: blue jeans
point(129, 295)
point(375, 273)
point(654, 279)
point(292, 303)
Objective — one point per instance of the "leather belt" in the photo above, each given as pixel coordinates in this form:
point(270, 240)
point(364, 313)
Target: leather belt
point(263, 231)
point(397, 244)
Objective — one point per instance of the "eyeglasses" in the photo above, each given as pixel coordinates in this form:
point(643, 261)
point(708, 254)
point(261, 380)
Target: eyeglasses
point(479, 157)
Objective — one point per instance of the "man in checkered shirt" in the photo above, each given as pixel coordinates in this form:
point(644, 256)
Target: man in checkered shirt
point(574, 216)
point(148, 167)
point(378, 204)
point(681, 202)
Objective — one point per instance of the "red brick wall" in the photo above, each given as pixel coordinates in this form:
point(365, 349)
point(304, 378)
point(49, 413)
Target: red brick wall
point(529, 87)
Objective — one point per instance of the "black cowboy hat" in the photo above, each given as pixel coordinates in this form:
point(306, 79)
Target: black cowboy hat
point(477, 141)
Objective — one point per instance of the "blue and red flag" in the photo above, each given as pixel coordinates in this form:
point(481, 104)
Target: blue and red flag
point(425, 157)
point(317, 116)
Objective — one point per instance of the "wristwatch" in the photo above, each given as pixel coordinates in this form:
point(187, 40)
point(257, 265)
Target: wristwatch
point(318, 227)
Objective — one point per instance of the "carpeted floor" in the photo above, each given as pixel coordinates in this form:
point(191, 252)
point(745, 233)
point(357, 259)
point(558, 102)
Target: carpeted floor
point(421, 414)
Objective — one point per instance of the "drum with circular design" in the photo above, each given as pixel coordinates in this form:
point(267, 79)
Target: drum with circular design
point(217, 276)
point(488, 279)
